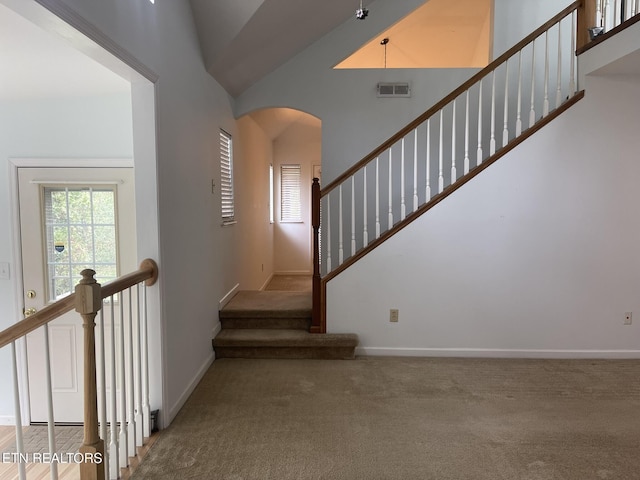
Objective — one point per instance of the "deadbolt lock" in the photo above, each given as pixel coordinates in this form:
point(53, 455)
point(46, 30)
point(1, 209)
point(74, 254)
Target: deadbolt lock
point(29, 311)
point(31, 294)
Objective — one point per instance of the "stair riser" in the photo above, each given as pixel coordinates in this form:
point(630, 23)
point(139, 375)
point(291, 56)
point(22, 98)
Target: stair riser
point(321, 353)
point(266, 323)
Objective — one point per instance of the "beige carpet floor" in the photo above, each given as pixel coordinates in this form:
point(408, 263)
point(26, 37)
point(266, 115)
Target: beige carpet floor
point(406, 418)
point(290, 283)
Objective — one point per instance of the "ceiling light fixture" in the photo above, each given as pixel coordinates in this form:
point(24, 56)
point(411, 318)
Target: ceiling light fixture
point(384, 42)
point(361, 13)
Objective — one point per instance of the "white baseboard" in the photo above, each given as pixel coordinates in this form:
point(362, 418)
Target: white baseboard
point(264, 285)
point(7, 420)
point(173, 411)
point(294, 272)
point(216, 329)
point(498, 353)
point(228, 296)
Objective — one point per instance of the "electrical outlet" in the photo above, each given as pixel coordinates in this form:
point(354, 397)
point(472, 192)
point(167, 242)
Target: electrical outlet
point(394, 313)
point(628, 319)
point(4, 271)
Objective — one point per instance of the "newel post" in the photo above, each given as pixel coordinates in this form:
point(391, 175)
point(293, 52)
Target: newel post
point(586, 20)
point(88, 303)
point(315, 286)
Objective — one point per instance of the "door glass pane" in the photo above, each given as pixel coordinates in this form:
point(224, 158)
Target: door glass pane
point(80, 231)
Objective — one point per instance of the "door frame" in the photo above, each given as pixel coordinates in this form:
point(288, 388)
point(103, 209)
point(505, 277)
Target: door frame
point(57, 18)
point(18, 287)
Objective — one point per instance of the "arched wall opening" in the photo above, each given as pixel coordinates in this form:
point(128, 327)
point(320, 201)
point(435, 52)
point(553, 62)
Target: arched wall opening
point(282, 143)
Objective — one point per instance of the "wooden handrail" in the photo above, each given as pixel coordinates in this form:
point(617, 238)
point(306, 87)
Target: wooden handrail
point(449, 98)
point(148, 271)
point(29, 324)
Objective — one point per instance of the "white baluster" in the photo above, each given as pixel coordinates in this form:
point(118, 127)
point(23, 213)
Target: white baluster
point(102, 402)
point(441, 157)
point(505, 128)
point(340, 232)
point(22, 474)
point(138, 327)
point(390, 219)
point(519, 110)
point(572, 55)
point(377, 198)
point(466, 135)
point(365, 233)
point(559, 72)
point(328, 233)
point(403, 207)
point(114, 466)
point(427, 193)
point(415, 169)
point(618, 12)
point(598, 16)
point(608, 16)
point(146, 409)
point(454, 174)
point(131, 415)
point(353, 215)
point(545, 105)
point(124, 447)
point(492, 142)
point(479, 151)
point(532, 112)
point(50, 418)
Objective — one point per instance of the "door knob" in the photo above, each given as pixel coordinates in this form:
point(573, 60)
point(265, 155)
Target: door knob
point(29, 311)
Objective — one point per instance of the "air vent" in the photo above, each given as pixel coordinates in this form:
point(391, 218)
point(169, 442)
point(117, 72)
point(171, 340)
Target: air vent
point(394, 90)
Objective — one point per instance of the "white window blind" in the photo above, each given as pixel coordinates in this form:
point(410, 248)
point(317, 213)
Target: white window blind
point(226, 177)
point(271, 208)
point(291, 210)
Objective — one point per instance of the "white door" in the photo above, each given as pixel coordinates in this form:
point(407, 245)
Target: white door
point(70, 219)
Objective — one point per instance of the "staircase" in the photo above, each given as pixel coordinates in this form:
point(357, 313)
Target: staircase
point(275, 324)
point(455, 140)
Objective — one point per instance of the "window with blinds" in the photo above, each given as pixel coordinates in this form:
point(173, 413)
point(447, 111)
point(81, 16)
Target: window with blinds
point(290, 207)
point(226, 177)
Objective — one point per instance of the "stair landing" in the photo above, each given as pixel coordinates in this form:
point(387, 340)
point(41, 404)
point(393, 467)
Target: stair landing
point(275, 324)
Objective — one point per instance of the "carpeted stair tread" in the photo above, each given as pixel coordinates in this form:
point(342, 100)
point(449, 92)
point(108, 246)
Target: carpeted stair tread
point(268, 304)
point(275, 324)
point(282, 338)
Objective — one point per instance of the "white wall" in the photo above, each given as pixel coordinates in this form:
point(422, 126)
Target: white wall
point(537, 256)
point(515, 19)
point(61, 128)
point(251, 169)
point(299, 144)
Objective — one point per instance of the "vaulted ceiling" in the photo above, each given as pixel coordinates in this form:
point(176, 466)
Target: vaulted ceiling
point(243, 40)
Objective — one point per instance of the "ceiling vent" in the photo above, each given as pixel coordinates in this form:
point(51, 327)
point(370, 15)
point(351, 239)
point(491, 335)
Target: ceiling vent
point(394, 90)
